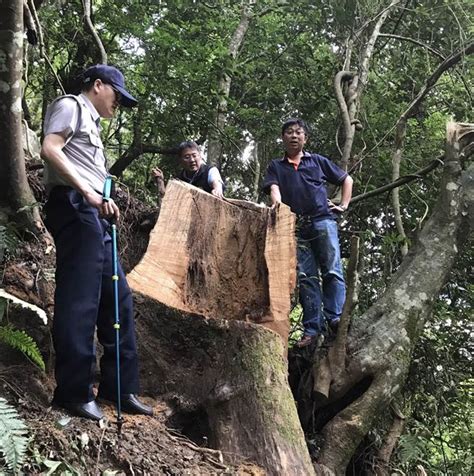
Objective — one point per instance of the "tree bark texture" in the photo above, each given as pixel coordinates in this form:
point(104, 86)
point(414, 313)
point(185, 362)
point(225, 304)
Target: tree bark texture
point(15, 192)
point(233, 262)
point(231, 376)
point(381, 341)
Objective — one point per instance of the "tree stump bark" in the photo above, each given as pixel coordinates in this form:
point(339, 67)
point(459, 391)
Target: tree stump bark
point(213, 272)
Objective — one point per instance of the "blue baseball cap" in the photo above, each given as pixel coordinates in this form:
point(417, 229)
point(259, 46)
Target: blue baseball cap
point(110, 75)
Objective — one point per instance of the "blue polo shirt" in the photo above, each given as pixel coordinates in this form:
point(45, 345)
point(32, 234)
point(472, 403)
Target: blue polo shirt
point(303, 188)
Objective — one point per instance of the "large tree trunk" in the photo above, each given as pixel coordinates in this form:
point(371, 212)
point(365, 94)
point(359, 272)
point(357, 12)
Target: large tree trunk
point(15, 193)
point(381, 341)
point(220, 269)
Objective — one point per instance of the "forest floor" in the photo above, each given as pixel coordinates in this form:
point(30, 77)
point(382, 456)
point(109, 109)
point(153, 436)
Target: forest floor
point(60, 443)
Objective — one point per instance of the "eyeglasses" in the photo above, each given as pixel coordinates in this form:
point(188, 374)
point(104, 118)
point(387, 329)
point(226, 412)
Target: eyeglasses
point(118, 94)
point(194, 155)
point(299, 132)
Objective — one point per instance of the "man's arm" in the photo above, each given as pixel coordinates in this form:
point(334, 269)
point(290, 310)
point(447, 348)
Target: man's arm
point(275, 194)
point(52, 152)
point(215, 181)
point(217, 190)
point(346, 195)
point(159, 179)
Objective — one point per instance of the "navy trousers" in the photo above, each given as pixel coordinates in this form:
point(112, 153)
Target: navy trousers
point(84, 302)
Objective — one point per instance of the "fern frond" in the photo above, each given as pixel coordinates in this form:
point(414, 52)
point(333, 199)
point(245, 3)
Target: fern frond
point(13, 437)
point(23, 342)
point(410, 448)
point(9, 238)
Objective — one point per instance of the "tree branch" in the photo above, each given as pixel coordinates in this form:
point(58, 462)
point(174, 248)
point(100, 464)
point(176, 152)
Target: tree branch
point(338, 351)
point(87, 5)
point(416, 42)
point(134, 151)
point(449, 62)
point(385, 452)
point(347, 111)
point(39, 31)
point(214, 151)
point(401, 132)
point(401, 181)
point(369, 49)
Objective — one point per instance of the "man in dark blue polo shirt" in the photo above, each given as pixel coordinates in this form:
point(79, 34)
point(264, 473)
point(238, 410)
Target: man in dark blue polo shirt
point(299, 180)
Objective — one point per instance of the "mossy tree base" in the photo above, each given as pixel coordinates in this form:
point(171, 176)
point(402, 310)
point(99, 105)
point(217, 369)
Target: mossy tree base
point(234, 376)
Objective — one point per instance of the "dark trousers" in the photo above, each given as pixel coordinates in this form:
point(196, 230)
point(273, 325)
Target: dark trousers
point(84, 301)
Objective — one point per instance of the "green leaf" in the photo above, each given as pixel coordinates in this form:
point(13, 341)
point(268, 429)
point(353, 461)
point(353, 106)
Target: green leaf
point(13, 437)
point(52, 466)
point(21, 341)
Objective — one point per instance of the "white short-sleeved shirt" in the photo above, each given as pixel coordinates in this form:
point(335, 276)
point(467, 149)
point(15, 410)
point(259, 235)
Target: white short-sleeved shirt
point(214, 175)
point(78, 120)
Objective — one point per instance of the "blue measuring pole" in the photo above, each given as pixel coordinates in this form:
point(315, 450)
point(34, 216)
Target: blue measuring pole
point(115, 278)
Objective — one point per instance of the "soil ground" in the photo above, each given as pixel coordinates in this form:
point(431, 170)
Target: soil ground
point(72, 445)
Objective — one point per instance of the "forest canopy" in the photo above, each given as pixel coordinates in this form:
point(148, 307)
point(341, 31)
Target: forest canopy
point(376, 81)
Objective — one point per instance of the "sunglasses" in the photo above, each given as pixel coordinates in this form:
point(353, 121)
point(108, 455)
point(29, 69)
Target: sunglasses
point(118, 94)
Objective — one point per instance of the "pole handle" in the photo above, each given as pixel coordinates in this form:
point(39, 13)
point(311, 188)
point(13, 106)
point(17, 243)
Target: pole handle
point(107, 193)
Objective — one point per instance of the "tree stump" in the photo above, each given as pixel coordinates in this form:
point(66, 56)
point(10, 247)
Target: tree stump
point(215, 287)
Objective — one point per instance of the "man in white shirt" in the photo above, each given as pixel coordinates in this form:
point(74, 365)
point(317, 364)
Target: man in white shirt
point(75, 172)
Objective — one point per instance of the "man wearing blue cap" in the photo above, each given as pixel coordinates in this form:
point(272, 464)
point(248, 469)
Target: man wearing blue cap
point(75, 172)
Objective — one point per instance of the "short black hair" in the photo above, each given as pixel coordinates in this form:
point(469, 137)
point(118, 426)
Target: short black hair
point(292, 121)
point(187, 144)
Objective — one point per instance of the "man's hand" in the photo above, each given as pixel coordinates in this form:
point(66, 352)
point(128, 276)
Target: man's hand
point(336, 208)
point(109, 210)
point(106, 208)
point(275, 195)
point(217, 191)
point(157, 175)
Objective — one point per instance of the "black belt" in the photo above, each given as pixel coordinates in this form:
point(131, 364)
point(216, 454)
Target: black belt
point(67, 188)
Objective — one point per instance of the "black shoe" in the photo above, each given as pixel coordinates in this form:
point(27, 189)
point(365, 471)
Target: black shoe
point(306, 340)
point(129, 404)
point(334, 324)
point(85, 410)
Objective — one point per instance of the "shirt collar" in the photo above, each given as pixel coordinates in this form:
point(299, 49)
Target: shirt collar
point(305, 155)
point(95, 115)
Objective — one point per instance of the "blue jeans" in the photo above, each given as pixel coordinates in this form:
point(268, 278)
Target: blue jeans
point(319, 266)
